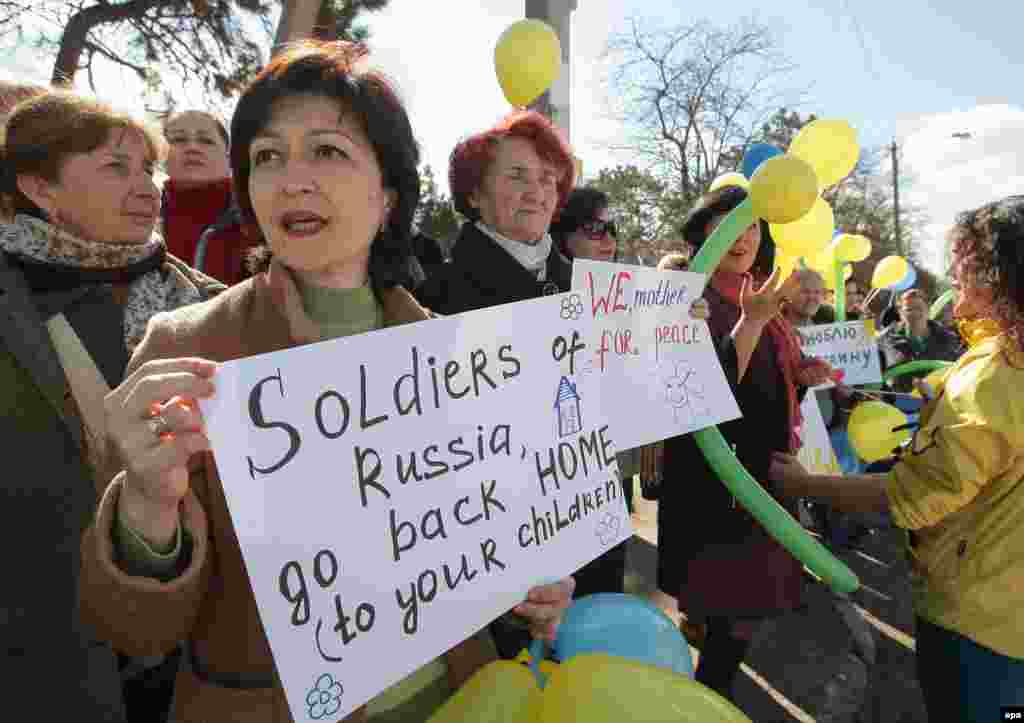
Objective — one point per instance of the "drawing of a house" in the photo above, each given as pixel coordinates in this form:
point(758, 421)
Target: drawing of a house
point(567, 406)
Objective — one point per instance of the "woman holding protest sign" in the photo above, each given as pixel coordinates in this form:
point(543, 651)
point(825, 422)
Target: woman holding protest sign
point(726, 572)
point(325, 165)
point(958, 488)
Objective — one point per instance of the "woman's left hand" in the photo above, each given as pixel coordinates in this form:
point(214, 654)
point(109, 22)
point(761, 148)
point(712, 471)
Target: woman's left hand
point(699, 309)
point(813, 373)
point(787, 471)
point(544, 606)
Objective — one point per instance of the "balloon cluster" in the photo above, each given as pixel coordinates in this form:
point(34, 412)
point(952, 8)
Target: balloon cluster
point(621, 659)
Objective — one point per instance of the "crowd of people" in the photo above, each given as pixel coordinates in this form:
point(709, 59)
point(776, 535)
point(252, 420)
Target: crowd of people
point(294, 224)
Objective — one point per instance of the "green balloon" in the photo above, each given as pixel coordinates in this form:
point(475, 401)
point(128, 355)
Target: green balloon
point(921, 365)
point(940, 303)
point(769, 513)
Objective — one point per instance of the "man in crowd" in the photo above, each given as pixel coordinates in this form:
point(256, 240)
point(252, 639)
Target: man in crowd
point(915, 337)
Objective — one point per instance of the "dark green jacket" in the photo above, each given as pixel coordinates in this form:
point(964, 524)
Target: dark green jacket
point(52, 668)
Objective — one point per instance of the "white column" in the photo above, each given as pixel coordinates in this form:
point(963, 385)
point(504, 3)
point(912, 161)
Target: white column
point(557, 102)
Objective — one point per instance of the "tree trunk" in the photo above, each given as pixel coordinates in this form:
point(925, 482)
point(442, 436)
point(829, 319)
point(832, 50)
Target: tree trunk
point(299, 20)
point(76, 32)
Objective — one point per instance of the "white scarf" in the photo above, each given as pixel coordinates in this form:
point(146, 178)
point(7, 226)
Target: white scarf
point(532, 257)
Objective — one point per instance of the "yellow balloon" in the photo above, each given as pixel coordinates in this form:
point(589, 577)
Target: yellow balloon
point(786, 264)
point(870, 430)
point(599, 688)
point(527, 60)
point(808, 235)
point(729, 179)
point(500, 692)
point(889, 271)
point(783, 189)
point(830, 146)
point(852, 247)
point(823, 261)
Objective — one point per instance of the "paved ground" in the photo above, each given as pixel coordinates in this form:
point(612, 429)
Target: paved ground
point(802, 667)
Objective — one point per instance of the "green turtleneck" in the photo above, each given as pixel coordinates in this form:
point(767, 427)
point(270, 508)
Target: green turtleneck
point(342, 312)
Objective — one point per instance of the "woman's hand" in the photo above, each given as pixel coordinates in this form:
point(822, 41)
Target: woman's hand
point(763, 305)
point(154, 426)
point(544, 606)
point(814, 372)
point(700, 310)
point(788, 473)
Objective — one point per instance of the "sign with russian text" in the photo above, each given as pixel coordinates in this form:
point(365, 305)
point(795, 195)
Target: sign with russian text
point(848, 346)
point(658, 365)
point(395, 492)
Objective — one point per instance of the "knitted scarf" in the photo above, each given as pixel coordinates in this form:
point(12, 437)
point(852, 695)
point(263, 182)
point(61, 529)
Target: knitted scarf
point(55, 259)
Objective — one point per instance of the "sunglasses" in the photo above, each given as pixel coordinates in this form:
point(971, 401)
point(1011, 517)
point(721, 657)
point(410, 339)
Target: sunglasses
point(599, 229)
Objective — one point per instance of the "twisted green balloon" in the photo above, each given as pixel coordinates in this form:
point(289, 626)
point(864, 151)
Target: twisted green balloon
point(940, 303)
point(769, 513)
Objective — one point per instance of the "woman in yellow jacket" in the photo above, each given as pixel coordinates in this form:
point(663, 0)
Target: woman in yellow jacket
point(958, 488)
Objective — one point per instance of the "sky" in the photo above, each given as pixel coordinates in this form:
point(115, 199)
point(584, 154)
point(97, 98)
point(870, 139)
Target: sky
point(913, 71)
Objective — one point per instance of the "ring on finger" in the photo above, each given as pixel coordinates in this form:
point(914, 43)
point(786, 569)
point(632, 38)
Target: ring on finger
point(160, 426)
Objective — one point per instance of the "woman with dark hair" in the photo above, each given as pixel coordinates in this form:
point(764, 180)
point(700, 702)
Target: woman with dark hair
point(325, 165)
point(958, 488)
point(584, 228)
point(82, 271)
point(200, 219)
point(726, 572)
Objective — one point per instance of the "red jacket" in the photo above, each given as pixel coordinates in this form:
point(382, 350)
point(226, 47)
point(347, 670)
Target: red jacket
point(189, 213)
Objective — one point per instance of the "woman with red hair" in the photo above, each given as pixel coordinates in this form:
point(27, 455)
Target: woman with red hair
point(508, 182)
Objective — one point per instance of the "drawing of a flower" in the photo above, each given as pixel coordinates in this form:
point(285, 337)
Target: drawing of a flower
point(608, 528)
point(572, 307)
point(325, 698)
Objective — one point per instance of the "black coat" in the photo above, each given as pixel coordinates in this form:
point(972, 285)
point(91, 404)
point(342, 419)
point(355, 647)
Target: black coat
point(48, 661)
point(698, 519)
point(482, 274)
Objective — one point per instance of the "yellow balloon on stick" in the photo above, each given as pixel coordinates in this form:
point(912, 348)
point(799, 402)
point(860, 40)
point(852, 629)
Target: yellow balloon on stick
point(500, 692)
point(889, 271)
point(527, 60)
point(830, 278)
point(830, 146)
point(871, 430)
point(851, 247)
point(599, 688)
point(729, 179)
point(809, 234)
point(783, 189)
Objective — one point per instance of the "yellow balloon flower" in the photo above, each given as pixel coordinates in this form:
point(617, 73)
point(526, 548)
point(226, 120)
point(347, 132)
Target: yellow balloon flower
point(830, 146)
point(527, 60)
point(729, 179)
point(809, 234)
point(871, 430)
point(889, 271)
point(783, 189)
point(501, 692)
point(850, 247)
point(599, 688)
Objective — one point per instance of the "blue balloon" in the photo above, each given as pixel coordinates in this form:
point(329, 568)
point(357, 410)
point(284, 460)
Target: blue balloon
point(907, 281)
point(625, 626)
point(756, 155)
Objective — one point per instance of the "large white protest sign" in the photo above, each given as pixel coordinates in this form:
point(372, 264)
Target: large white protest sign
point(848, 346)
point(658, 365)
point(816, 454)
point(395, 492)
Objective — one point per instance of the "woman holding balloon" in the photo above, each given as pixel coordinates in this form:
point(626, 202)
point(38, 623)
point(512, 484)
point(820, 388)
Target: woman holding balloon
point(958, 488)
point(714, 558)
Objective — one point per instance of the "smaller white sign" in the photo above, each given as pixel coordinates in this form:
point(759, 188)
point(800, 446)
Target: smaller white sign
point(816, 454)
point(849, 346)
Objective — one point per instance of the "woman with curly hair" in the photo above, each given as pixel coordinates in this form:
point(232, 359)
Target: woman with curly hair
point(958, 488)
